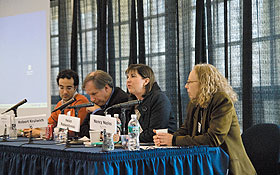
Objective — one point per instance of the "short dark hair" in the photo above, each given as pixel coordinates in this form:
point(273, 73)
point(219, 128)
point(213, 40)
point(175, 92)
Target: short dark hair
point(68, 73)
point(100, 79)
point(145, 72)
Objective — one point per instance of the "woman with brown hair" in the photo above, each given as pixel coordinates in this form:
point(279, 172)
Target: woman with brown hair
point(154, 112)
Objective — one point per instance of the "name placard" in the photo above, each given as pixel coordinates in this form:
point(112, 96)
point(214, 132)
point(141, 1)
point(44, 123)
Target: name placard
point(33, 121)
point(99, 123)
point(66, 121)
point(5, 120)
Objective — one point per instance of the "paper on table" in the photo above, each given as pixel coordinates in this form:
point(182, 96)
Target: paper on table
point(84, 139)
point(155, 147)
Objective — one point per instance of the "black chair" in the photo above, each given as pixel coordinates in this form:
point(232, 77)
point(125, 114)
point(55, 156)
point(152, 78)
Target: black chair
point(262, 142)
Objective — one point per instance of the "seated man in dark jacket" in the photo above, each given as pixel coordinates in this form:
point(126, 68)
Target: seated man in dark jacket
point(99, 86)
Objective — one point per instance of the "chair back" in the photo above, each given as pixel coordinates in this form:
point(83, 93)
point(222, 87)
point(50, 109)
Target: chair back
point(261, 143)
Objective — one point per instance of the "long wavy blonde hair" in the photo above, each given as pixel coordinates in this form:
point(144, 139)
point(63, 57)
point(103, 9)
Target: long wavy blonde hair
point(211, 81)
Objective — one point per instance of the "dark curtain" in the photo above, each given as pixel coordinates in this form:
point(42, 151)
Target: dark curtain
point(62, 32)
point(209, 31)
point(226, 37)
point(240, 38)
point(137, 54)
point(111, 42)
point(133, 35)
point(170, 63)
point(247, 108)
point(74, 36)
point(200, 36)
point(141, 34)
point(101, 35)
point(179, 105)
point(242, 47)
point(200, 49)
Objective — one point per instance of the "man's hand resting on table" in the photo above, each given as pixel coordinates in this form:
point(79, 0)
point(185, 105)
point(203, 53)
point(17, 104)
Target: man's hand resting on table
point(35, 132)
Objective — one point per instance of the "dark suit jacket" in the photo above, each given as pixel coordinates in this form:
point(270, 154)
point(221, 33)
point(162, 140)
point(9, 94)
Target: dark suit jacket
point(118, 96)
point(219, 127)
point(156, 113)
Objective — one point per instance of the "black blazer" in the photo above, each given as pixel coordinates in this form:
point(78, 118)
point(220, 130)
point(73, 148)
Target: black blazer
point(156, 113)
point(118, 96)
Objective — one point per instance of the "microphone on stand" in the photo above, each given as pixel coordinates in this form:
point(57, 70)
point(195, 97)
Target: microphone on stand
point(77, 107)
point(125, 104)
point(15, 106)
point(85, 105)
point(64, 105)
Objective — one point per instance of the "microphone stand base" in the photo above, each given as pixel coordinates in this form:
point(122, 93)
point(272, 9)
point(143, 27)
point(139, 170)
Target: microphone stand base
point(5, 138)
point(30, 139)
point(76, 142)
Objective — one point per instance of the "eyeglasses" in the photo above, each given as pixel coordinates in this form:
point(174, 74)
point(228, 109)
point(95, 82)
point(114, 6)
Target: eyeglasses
point(189, 82)
point(67, 88)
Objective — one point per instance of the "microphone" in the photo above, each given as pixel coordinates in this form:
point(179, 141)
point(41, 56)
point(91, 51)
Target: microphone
point(124, 105)
point(81, 105)
point(64, 105)
point(15, 106)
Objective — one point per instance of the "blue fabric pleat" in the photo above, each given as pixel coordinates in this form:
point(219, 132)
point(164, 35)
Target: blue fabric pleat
point(87, 161)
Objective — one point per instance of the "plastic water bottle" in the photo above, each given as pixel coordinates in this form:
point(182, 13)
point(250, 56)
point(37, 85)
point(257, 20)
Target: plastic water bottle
point(133, 133)
point(108, 142)
point(62, 136)
point(119, 123)
point(13, 129)
point(56, 135)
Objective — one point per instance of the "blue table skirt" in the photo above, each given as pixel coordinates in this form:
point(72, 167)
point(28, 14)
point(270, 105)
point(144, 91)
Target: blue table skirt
point(16, 158)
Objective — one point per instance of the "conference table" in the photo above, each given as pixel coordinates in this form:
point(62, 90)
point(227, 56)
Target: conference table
point(46, 157)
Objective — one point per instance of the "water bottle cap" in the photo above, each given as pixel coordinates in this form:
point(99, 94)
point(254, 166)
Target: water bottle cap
point(56, 129)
